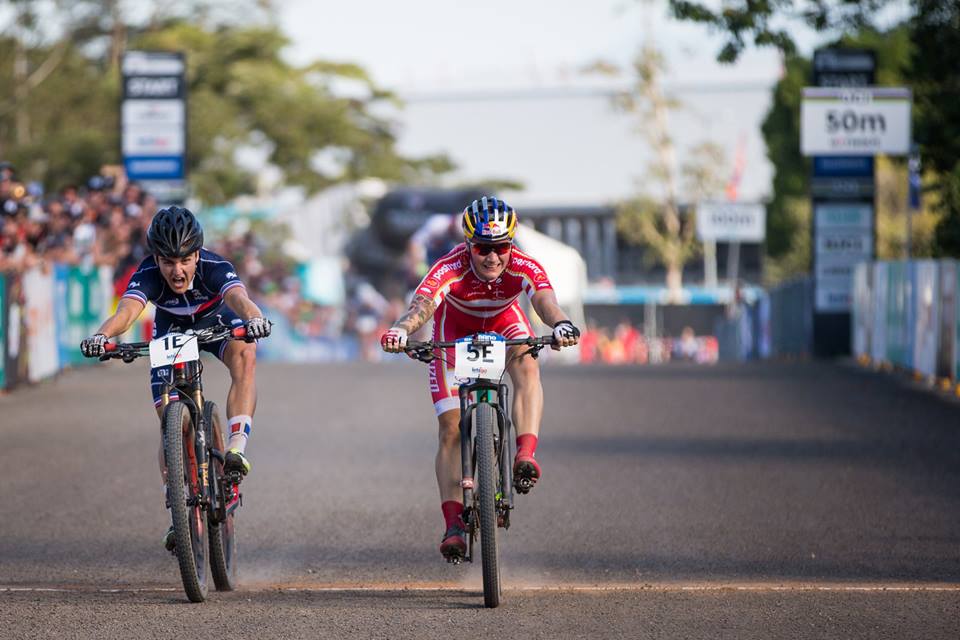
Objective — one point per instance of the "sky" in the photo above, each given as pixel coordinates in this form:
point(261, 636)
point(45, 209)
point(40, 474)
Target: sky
point(500, 87)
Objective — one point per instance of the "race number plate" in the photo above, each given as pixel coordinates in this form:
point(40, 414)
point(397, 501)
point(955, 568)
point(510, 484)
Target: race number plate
point(173, 348)
point(486, 359)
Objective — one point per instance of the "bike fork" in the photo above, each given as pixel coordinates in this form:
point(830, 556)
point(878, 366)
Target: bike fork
point(466, 450)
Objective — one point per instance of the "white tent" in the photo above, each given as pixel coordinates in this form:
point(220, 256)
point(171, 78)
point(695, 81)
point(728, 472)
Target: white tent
point(567, 272)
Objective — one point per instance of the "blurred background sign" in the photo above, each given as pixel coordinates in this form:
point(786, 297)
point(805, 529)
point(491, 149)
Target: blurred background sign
point(153, 123)
point(731, 221)
point(843, 190)
point(844, 67)
point(866, 121)
point(844, 238)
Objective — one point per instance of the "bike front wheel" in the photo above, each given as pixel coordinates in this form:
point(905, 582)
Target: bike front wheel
point(487, 475)
point(223, 542)
point(184, 490)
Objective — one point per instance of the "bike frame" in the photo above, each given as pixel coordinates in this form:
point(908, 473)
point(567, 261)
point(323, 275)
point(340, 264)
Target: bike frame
point(184, 378)
point(186, 381)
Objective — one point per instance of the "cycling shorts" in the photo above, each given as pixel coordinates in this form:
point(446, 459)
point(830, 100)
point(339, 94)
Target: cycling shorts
point(450, 324)
point(164, 323)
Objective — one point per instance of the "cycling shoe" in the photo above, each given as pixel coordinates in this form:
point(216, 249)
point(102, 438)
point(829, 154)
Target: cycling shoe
point(235, 461)
point(454, 545)
point(526, 472)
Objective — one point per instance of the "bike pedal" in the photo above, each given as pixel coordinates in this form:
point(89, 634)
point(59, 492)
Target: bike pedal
point(523, 485)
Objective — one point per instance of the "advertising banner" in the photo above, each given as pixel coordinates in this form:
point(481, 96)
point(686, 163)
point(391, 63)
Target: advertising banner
point(956, 333)
point(861, 309)
point(948, 311)
point(83, 300)
point(3, 332)
point(898, 303)
point(926, 306)
point(15, 350)
point(42, 346)
point(878, 339)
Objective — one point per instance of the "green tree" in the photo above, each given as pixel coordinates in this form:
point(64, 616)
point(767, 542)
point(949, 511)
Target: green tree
point(654, 219)
point(767, 23)
point(781, 132)
point(935, 76)
point(920, 53)
point(241, 92)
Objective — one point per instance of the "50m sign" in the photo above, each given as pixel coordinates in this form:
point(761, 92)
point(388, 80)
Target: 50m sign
point(864, 121)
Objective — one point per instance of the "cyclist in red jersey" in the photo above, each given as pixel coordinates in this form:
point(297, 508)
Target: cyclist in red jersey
point(476, 288)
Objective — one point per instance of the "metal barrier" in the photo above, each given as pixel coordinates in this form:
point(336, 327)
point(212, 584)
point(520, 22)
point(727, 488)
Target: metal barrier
point(791, 318)
point(906, 315)
point(775, 324)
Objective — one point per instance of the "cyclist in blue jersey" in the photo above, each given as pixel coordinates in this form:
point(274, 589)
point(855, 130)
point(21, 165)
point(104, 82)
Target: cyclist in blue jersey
point(193, 288)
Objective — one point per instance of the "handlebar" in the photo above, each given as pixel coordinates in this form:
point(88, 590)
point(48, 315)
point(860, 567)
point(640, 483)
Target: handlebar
point(542, 341)
point(423, 351)
point(129, 351)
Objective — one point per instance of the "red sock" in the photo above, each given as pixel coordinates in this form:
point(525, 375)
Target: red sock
point(526, 444)
point(452, 510)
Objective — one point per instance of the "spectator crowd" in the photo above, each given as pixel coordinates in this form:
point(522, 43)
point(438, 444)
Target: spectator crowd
point(100, 223)
point(103, 223)
point(625, 344)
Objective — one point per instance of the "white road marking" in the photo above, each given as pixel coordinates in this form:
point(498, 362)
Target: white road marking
point(756, 587)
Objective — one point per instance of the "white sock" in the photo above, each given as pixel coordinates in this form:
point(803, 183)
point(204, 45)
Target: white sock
point(239, 432)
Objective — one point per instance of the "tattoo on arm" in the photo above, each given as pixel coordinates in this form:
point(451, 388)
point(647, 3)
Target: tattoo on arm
point(421, 308)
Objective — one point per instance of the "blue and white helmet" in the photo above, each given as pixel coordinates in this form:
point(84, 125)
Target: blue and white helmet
point(489, 220)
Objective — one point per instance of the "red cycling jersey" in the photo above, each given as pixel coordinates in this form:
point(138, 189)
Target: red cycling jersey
point(467, 305)
point(452, 281)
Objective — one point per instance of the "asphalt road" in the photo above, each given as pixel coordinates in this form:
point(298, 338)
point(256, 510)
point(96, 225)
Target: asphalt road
point(764, 500)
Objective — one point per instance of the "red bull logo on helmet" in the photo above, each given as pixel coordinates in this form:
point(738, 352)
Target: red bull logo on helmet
point(492, 229)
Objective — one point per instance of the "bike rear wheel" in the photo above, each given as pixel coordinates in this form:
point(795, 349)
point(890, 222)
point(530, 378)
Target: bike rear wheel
point(223, 543)
point(487, 475)
point(184, 492)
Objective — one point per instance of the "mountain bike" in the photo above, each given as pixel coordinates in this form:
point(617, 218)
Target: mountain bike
point(486, 440)
point(202, 499)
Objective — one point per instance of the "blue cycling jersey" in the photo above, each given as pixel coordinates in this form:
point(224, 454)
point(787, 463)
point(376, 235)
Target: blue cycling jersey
point(204, 298)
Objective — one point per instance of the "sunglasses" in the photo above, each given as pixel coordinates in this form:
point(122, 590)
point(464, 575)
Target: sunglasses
point(502, 249)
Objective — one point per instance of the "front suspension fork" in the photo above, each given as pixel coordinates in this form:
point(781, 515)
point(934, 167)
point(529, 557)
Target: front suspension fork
point(467, 408)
